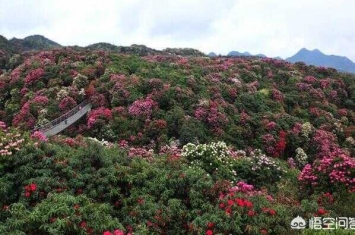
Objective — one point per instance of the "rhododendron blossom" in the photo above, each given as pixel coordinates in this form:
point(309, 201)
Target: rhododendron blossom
point(67, 103)
point(335, 168)
point(39, 136)
point(98, 114)
point(142, 107)
point(33, 76)
point(277, 95)
point(43, 100)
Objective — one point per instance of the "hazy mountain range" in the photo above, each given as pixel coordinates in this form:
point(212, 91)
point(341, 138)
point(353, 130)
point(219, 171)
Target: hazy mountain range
point(39, 42)
point(318, 58)
point(310, 57)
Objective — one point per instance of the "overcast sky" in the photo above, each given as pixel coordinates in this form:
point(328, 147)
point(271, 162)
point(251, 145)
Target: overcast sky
point(271, 27)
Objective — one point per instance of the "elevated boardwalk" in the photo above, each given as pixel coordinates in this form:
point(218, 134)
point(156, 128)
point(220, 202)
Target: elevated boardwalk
point(61, 123)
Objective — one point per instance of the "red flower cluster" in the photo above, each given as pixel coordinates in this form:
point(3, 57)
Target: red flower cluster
point(210, 227)
point(281, 144)
point(269, 211)
point(211, 114)
point(99, 113)
point(142, 107)
point(235, 203)
point(34, 76)
point(29, 189)
point(67, 103)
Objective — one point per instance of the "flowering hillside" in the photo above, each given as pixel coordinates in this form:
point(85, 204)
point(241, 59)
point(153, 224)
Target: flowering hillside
point(191, 145)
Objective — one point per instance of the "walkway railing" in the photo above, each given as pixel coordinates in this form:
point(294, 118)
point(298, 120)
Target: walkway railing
point(62, 118)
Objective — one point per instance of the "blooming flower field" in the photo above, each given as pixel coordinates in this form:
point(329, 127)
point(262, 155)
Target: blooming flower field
point(173, 145)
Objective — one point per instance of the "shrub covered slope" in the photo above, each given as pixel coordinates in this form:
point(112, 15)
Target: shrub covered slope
point(192, 145)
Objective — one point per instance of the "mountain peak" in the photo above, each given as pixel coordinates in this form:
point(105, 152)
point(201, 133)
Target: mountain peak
point(212, 54)
point(306, 51)
point(318, 58)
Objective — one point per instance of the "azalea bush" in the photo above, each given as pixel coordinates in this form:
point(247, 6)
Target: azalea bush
point(171, 143)
point(11, 141)
point(214, 158)
point(259, 169)
point(98, 187)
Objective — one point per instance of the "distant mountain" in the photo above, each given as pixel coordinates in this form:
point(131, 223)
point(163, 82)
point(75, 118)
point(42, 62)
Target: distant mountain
point(39, 42)
point(183, 52)
point(17, 46)
point(5, 46)
point(261, 55)
point(34, 42)
point(102, 46)
point(212, 54)
point(236, 53)
point(318, 58)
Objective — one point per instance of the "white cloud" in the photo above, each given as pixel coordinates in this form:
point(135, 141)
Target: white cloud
point(271, 27)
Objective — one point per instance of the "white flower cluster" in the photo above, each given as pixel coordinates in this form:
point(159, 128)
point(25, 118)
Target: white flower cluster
point(301, 158)
point(102, 142)
point(236, 81)
point(218, 151)
point(350, 141)
point(82, 91)
point(306, 129)
point(338, 127)
point(203, 102)
point(261, 162)
point(209, 156)
point(238, 153)
point(344, 120)
point(80, 81)
point(63, 93)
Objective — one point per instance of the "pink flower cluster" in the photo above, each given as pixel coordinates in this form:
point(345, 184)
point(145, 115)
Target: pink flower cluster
point(271, 125)
point(342, 112)
point(303, 86)
point(99, 113)
point(336, 168)
point(170, 150)
point(324, 142)
point(24, 118)
point(242, 187)
point(333, 95)
point(310, 79)
point(39, 136)
point(277, 95)
point(15, 74)
point(116, 232)
point(324, 83)
point(269, 143)
point(40, 99)
point(244, 117)
point(141, 152)
point(307, 175)
point(211, 115)
point(98, 100)
point(33, 76)
point(67, 103)
point(297, 128)
point(2, 125)
point(10, 141)
point(142, 107)
point(317, 93)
